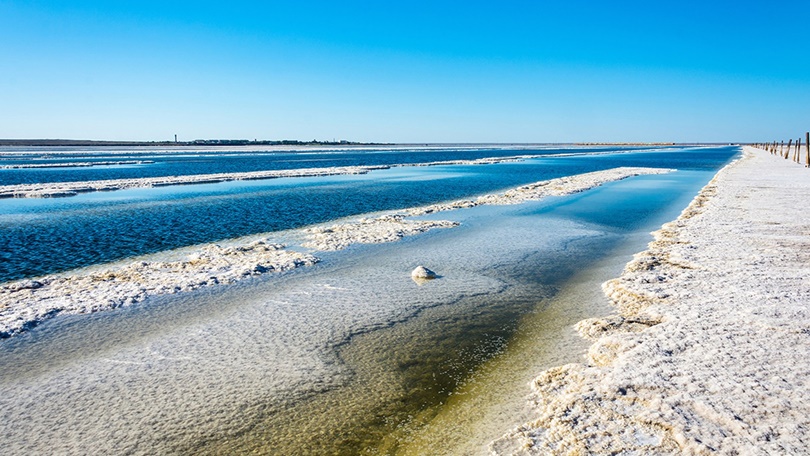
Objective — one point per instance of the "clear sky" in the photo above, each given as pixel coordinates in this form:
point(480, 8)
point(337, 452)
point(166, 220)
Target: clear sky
point(407, 71)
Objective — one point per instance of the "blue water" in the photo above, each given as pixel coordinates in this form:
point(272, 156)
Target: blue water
point(206, 162)
point(50, 235)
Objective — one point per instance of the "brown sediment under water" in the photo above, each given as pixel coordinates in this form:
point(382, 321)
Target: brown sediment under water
point(448, 380)
point(495, 397)
point(402, 376)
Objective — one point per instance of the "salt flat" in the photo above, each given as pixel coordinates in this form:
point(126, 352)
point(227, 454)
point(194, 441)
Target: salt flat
point(708, 351)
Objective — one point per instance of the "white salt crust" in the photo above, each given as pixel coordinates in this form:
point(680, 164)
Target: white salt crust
point(77, 164)
point(63, 189)
point(25, 303)
point(708, 352)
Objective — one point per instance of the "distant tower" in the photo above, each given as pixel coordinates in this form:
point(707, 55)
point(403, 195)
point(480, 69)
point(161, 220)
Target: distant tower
point(175, 138)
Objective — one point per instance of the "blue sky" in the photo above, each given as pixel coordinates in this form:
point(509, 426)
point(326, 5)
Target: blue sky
point(405, 71)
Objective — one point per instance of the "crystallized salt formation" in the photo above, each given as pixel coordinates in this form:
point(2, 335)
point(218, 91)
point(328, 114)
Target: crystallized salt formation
point(26, 303)
point(422, 272)
point(386, 228)
point(708, 352)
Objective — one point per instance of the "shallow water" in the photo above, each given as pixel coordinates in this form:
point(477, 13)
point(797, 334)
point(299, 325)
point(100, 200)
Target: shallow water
point(345, 356)
point(42, 236)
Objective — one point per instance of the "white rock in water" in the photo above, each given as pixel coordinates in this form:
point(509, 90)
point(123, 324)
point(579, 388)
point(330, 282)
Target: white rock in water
point(422, 272)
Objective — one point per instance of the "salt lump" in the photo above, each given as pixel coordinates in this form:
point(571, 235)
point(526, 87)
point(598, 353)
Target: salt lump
point(708, 352)
point(422, 272)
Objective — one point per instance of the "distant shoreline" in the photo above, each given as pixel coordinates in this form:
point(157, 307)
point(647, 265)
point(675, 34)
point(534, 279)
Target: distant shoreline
point(293, 142)
point(196, 142)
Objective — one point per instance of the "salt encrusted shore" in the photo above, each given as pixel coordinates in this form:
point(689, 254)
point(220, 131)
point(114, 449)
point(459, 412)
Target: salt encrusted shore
point(24, 304)
point(708, 352)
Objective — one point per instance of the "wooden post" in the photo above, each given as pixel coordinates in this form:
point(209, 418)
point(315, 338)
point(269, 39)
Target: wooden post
point(790, 143)
point(807, 145)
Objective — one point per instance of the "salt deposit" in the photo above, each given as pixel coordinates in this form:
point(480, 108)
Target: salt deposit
point(26, 303)
point(422, 272)
point(708, 352)
point(555, 187)
point(63, 189)
point(385, 228)
point(76, 164)
point(391, 227)
point(422, 275)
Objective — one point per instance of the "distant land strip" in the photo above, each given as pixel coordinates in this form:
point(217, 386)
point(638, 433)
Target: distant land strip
point(295, 142)
point(196, 142)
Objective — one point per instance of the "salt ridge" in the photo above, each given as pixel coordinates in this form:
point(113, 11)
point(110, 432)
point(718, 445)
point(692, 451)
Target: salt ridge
point(64, 189)
point(393, 226)
point(708, 351)
point(25, 303)
point(77, 164)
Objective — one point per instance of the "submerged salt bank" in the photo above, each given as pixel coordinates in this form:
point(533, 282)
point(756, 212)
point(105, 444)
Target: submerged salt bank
point(25, 303)
point(708, 352)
